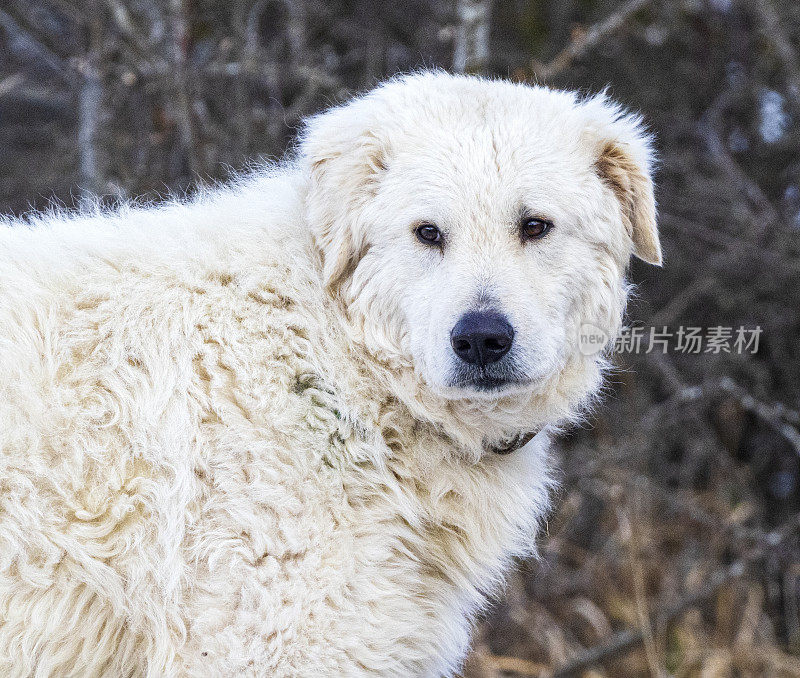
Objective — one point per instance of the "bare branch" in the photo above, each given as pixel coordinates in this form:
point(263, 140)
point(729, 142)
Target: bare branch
point(775, 416)
point(29, 42)
point(719, 153)
point(179, 38)
point(734, 246)
point(90, 98)
point(583, 41)
point(11, 83)
point(772, 29)
point(132, 35)
point(90, 106)
point(472, 36)
point(625, 640)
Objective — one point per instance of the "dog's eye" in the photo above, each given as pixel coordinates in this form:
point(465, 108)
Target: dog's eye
point(428, 234)
point(535, 228)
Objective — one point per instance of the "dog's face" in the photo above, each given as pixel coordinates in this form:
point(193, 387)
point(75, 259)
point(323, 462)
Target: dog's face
point(473, 227)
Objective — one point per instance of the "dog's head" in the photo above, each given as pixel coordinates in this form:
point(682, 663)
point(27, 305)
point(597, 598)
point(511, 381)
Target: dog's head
point(472, 227)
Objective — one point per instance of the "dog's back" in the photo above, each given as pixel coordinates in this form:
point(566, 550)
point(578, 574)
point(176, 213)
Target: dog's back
point(124, 336)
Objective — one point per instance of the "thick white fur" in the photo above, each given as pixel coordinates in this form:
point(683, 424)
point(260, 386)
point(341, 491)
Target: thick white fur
point(228, 446)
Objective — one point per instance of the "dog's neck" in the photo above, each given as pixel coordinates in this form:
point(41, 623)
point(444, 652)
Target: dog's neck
point(468, 428)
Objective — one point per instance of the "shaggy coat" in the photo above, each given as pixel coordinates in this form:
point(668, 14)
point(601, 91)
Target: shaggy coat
point(222, 448)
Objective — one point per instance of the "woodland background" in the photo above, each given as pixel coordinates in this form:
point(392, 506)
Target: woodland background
point(674, 549)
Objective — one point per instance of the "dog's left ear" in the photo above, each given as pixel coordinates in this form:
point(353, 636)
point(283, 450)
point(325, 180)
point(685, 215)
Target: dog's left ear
point(344, 159)
point(624, 157)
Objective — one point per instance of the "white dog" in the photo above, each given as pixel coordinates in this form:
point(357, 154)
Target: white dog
point(259, 433)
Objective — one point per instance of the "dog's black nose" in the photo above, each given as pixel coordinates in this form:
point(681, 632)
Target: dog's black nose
point(480, 338)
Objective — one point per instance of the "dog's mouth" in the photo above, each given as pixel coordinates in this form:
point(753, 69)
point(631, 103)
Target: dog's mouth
point(488, 380)
point(490, 384)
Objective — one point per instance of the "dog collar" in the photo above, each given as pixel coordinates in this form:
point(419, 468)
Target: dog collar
point(515, 443)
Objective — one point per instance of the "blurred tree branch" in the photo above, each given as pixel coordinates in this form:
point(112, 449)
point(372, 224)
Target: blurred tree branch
point(44, 54)
point(584, 39)
point(471, 52)
point(669, 612)
point(179, 38)
point(773, 31)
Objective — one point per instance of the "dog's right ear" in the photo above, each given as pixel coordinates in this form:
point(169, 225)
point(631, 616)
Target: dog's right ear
point(344, 159)
point(624, 159)
point(633, 188)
